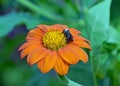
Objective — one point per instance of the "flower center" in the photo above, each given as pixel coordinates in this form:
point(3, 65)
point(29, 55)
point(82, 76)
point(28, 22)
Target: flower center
point(54, 40)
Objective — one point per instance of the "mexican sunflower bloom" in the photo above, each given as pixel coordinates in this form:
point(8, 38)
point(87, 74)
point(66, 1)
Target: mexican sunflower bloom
point(54, 47)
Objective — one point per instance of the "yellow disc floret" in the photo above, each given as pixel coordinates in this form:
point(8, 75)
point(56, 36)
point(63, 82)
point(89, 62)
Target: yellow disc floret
point(54, 40)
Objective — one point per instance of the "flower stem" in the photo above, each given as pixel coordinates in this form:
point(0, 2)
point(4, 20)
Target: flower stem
point(67, 81)
point(94, 75)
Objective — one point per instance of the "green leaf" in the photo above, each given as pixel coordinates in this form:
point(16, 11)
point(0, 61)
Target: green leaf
point(67, 81)
point(9, 21)
point(29, 20)
point(98, 19)
point(89, 3)
point(101, 13)
point(114, 36)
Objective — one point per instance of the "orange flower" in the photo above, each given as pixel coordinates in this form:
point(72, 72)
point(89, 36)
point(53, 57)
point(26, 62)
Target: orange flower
point(50, 47)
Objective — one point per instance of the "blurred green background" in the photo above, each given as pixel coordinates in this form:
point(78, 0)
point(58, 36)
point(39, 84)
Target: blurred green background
point(99, 22)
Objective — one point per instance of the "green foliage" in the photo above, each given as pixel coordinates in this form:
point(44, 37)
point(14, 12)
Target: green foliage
point(9, 21)
point(98, 20)
point(99, 23)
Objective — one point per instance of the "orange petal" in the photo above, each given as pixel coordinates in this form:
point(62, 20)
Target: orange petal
point(47, 63)
point(80, 38)
point(74, 31)
point(81, 43)
point(68, 55)
point(36, 55)
point(34, 34)
point(26, 44)
point(43, 27)
point(61, 67)
point(29, 49)
point(59, 27)
point(79, 52)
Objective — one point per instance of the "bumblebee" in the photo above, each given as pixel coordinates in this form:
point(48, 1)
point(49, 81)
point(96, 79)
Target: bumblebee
point(68, 35)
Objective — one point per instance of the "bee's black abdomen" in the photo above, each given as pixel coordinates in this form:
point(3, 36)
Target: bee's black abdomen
point(68, 35)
